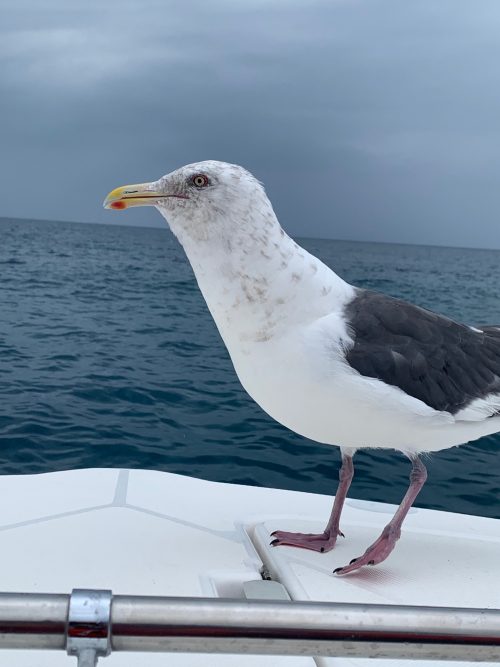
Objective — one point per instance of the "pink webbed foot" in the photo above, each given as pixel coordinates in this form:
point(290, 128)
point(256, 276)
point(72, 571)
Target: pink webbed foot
point(321, 542)
point(326, 540)
point(376, 553)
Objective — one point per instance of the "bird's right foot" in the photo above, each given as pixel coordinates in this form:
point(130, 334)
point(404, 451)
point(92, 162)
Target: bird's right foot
point(321, 542)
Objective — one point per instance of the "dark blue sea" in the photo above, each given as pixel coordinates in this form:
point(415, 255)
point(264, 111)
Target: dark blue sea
point(109, 358)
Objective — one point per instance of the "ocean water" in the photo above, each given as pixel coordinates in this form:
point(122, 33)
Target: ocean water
point(109, 358)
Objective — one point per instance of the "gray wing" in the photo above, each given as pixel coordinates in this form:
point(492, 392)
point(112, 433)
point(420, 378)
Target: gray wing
point(445, 364)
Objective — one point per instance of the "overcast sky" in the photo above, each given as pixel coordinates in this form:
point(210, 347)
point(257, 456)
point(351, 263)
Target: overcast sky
point(366, 119)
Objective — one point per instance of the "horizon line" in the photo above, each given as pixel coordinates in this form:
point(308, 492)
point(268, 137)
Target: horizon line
point(307, 238)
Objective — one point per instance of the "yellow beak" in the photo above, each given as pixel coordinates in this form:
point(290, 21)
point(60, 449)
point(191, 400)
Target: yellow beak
point(142, 194)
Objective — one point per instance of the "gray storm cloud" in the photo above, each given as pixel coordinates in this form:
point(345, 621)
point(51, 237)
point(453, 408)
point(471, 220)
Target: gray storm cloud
point(371, 120)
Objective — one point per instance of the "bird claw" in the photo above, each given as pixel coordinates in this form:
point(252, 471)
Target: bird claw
point(375, 554)
point(321, 542)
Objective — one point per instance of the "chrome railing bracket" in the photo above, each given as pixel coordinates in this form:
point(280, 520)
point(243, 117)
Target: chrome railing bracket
point(88, 634)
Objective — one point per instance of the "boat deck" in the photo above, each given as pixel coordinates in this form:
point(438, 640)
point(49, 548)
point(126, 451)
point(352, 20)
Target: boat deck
point(153, 533)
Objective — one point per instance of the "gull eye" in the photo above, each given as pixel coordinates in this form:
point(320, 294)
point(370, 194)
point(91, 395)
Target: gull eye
point(200, 180)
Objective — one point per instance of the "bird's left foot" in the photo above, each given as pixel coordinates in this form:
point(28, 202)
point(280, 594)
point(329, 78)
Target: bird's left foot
point(321, 542)
point(376, 553)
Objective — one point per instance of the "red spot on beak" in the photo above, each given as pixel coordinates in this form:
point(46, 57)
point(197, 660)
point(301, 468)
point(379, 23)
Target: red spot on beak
point(118, 204)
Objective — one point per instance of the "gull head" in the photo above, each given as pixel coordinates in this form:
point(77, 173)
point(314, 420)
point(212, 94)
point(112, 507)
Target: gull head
point(202, 201)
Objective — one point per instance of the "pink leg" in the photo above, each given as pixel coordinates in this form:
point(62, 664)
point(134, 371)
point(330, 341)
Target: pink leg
point(324, 541)
point(382, 547)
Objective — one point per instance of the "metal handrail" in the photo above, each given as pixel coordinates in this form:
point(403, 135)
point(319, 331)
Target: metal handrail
point(214, 625)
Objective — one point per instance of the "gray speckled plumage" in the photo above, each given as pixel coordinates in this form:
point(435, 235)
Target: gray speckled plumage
point(445, 364)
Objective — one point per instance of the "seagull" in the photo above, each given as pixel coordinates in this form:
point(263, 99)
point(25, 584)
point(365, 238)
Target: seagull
point(335, 363)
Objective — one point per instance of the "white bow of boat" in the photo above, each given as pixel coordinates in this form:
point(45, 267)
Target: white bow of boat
point(164, 536)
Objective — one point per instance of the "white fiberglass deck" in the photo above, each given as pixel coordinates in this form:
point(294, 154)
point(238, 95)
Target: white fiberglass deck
point(153, 533)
